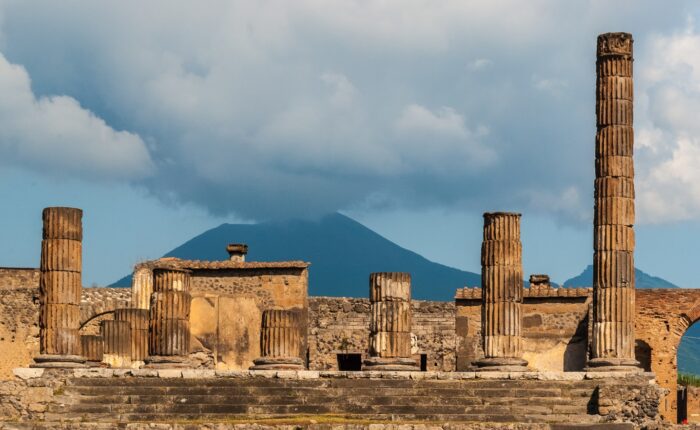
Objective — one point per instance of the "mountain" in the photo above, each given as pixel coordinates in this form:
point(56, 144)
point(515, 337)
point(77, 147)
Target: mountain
point(342, 253)
point(642, 280)
point(689, 351)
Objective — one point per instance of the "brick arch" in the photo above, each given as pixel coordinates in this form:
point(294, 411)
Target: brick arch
point(663, 316)
point(693, 315)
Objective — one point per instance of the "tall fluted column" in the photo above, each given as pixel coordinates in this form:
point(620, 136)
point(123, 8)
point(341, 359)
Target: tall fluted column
point(141, 288)
point(169, 318)
point(280, 340)
point(390, 322)
point(60, 288)
point(502, 293)
point(613, 223)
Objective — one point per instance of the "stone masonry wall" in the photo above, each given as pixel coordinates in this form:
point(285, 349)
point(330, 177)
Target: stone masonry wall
point(341, 326)
point(19, 314)
point(19, 317)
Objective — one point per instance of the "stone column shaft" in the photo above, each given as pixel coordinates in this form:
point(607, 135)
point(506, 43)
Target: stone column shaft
point(138, 321)
point(141, 288)
point(117, 343)
point(614, 212)
point(390, 322)
point(169, 318)
point(60, 288)
point(92, 347)
point(502, 293)
point(280, 340)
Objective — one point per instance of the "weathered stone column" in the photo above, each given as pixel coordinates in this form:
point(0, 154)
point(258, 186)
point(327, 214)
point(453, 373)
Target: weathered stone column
point(117, 343)
point(280, 340)
point(60, 288)
point(613, 238)
point(92, 347)
point(502, 293)
point(141, 288)
point(138, 322)
point(390, 322)
point(169, 318)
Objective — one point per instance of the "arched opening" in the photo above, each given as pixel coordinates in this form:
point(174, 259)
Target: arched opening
point(688, 362)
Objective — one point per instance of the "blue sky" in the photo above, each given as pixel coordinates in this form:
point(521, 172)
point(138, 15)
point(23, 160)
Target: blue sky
point(164, 119)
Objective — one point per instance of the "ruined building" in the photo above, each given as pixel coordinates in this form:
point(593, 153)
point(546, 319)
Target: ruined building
point(214, 341)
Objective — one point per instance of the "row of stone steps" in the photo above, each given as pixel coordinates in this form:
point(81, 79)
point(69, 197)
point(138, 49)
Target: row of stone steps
point(222, 399)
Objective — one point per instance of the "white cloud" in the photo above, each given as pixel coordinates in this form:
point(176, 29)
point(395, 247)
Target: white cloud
point(668, 142)
point(55, 134)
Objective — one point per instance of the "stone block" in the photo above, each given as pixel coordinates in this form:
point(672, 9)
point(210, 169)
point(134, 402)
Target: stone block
point(198, 373)
point(169, 373)
point(492, 375)
point(25, 373)
point(93, 373)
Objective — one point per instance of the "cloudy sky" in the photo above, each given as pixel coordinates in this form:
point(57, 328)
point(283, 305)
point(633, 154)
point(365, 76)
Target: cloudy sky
point(162, 119)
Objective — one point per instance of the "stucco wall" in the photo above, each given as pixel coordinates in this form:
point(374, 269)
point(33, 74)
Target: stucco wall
point(19, 317)
point(554, 327)
point(227, 307)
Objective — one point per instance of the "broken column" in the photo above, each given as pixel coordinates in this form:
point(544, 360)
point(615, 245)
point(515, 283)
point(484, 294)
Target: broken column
point(141, 288)
point(92, 348)
point(280, 340)
point(502, 293)
point(169, 318)
point(613, 238)
point(60, 288)
point(138, 322)
point(117, 343)
point(390, 322)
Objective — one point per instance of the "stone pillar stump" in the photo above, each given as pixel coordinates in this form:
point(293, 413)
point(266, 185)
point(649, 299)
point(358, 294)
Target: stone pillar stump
point(390, 322)
point(280, 340)
point(502, 293)
point(169, 319)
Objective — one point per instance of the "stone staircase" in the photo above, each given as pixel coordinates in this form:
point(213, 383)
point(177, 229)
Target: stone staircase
point(364, 399)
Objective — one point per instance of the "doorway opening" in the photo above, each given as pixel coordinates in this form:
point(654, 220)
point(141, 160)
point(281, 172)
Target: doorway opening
point(349, 362)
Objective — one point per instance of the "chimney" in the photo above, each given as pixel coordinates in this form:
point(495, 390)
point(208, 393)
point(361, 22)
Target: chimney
point(237, 251)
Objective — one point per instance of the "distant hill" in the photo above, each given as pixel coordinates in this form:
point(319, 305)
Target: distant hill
point(342, 253)
point(642, 280)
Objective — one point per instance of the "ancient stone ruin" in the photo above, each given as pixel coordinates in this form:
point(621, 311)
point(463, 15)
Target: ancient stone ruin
point(237, 341)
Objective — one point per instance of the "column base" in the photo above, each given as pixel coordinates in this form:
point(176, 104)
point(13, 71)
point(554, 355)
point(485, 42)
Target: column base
point(278, 363)
point(51, 361)
point(613, 365)
point(390, 364)
point(166, 362)
point(501, 364)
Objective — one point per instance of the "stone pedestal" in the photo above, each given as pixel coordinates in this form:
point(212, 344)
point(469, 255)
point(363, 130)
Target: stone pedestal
point(502, 297)
point(613, 236)
point(60, 288)
point(390, 322)
point(169, 319)
point(117, 343)
point(280, 340)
